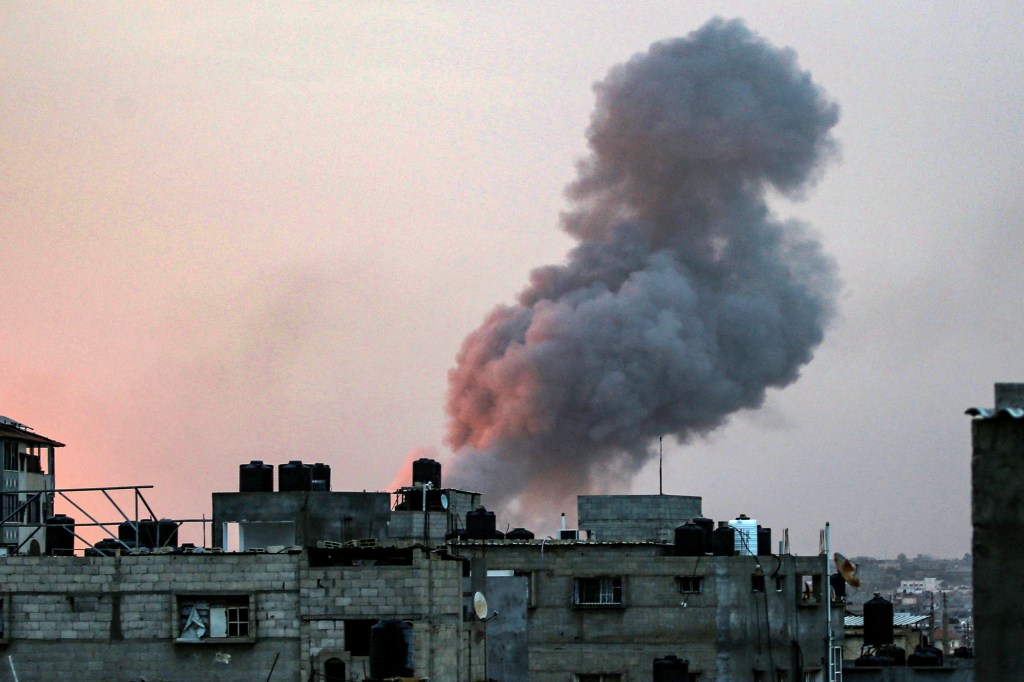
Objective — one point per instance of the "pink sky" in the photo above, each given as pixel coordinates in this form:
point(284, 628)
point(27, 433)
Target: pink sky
point(232, 234)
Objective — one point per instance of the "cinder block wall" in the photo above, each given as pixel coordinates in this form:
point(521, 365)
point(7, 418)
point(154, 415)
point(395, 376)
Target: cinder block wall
point(117, 618)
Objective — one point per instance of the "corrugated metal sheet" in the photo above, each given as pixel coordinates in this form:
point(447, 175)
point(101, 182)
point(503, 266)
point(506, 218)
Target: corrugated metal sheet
point(992, 412)
point(9, 432)
point(899, 619)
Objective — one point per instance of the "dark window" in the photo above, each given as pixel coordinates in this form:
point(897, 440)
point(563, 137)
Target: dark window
point(780, 583)
point(810, 590)
point(357, 636)
point(10, 456)
point(690, 584)
point(598, 677)
point(334, 670)
point(757, 583)
point(602, 591)
point(10, 506)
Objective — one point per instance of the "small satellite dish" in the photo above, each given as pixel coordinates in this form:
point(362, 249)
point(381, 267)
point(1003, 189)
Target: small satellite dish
point(480, 605)
point(444, 501)
point(847, 569)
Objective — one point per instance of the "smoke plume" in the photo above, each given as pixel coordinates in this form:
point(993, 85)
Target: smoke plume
point(685, 299)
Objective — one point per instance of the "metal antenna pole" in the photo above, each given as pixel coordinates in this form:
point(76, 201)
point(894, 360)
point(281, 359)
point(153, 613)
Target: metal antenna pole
point(660, 466)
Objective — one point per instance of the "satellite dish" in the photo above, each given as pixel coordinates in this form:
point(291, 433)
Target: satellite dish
point(444, 501)
point(847, 569)
point(480, 605)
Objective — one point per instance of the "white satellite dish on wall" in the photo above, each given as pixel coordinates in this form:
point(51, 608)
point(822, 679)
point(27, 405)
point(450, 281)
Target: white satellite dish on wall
point(444, 501)
point(480, 605)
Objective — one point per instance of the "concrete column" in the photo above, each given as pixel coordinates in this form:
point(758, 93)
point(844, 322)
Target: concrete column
point(997, 494)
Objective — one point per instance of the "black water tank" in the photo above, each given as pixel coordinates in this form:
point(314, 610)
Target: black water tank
point(426, 471)
point(128, 531)
point(519, 534)
point(764, 541)
point(708, 526)
point(897, 653)
point(255, 477)
point(877, 621)
point(925, 657)
point(294, 476)
point(60, 535)
point(480, 524)
point(689, 540)
point(391, 650)
point(321, 477)
point(167, 533)
point(671, 669)
point(108, 547)
point(723, 540)
point(162, 533)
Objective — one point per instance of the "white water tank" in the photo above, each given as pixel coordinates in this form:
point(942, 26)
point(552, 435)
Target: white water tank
point(745, 537)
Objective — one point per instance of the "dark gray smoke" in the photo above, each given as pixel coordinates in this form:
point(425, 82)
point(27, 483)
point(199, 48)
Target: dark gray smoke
point(685, 299)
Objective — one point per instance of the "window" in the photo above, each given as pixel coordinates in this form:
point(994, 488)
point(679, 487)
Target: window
point(598, 677)
point(202, 618)
point(10, 455)
point(757, 583)
point(10, 509)
point(780, 583)
point(810, 590)
point(690, 584)
point(4, 629)
point(602, 591)
point(357, 636)
point(334, 670)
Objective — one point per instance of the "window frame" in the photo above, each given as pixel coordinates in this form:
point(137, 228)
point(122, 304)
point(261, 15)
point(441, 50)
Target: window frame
point(232, 602)
point(610, 586)
point(812, 597)
point(694, 582)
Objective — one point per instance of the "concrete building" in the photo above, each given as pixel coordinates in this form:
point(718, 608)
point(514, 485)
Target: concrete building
point(309, 574)
point(231, 616)
point(605, 609)
point(997, 494)
point(24, 453)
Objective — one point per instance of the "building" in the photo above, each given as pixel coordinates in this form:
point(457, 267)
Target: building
point(24, 454)
point(997, 499)
point(314, 581)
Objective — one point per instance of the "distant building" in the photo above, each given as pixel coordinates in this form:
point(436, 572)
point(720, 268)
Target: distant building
point(21, 511)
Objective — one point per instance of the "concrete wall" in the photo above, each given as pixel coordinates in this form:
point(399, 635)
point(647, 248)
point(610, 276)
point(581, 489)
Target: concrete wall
point(118, 618)
point(635, 517)
point(726, 631)
point(998, 515)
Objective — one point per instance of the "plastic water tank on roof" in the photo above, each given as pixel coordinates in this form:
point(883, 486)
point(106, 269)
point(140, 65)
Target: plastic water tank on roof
point(745, 540)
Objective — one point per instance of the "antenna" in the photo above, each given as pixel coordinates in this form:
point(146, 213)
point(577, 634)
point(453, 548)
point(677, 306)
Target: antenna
point(661, 459)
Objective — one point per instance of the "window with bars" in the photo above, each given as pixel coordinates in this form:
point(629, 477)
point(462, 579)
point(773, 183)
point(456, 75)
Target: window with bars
point(690, 584)
point(211, 618)
point(598, 591)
